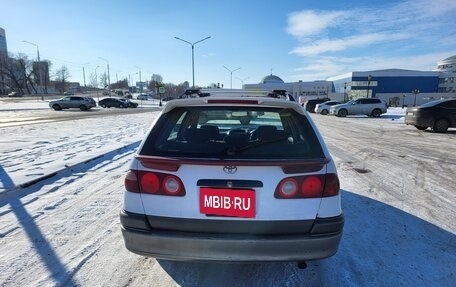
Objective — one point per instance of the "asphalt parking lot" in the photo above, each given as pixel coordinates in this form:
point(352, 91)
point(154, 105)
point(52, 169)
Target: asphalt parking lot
point(397, 194)
point(397, 164)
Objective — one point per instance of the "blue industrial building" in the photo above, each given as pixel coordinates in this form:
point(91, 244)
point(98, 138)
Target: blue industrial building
point(390, 81)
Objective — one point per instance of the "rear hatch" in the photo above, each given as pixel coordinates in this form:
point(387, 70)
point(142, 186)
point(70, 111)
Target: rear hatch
point(228, 165)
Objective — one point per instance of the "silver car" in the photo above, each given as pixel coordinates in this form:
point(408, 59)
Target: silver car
point(323, 108)
point(372, 107)
point(69, 102)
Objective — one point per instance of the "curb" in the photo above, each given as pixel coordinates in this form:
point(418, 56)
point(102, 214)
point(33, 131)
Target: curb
point(67, 167)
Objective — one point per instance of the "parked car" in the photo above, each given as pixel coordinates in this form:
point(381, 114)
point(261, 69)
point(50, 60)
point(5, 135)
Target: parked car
point(228, 178)
point(68, 94)
point(69, 102)
point(129, 103)
point(124, 94)
point(438, 115)
point(323, 108)
point(145, 97)
point(372, 107)
point(113, 102)
point(14, 94)
point(94, 103)
point(309, 105)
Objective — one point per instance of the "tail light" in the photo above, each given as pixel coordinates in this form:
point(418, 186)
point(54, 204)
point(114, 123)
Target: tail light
point(154, 183)
point(310, 186)
point(131, 181)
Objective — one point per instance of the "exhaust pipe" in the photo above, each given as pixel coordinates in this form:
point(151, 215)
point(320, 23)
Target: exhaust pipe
point(302, 265)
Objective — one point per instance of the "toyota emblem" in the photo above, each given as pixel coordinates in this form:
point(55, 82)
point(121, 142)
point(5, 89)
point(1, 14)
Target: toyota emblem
point(230, 169)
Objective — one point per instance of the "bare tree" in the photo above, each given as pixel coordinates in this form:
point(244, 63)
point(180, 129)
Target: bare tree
point(44, 66)
point(61, 77)
point(104, 80)
point(25, 66)
point(93, 81)
point(122, 84)
point(3, 73)
point(14, 74)
point(155, 81)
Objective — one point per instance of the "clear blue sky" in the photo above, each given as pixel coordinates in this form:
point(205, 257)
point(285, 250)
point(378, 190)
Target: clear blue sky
point(298, 40)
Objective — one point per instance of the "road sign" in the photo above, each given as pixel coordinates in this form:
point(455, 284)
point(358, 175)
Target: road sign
point(161, 90)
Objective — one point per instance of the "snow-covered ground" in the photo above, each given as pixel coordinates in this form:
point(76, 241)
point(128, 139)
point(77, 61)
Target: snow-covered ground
point(64, 230)
point(33, 152)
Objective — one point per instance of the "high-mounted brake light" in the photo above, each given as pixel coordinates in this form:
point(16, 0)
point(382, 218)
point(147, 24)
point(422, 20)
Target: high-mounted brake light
point(254, 102)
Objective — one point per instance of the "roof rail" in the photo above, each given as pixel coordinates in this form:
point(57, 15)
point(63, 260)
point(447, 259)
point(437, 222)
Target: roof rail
point(280, 94)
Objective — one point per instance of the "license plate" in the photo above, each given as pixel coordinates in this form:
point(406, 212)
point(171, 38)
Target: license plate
point(410, 114)
point(227, 202)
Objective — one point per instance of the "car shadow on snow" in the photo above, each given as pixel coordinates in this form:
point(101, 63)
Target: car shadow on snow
point(381, 246)
point(392, 117)
point(91, 110)
point(57, 270)
point(449, 132)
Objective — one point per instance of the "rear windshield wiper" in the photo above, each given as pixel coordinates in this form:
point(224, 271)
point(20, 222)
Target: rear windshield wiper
point(236, 150)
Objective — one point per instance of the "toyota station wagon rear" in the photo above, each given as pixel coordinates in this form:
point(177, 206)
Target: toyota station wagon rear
point(232, 178)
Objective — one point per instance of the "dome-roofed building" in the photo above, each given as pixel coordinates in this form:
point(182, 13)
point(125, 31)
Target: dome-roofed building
point(299, 90)
point(272, 79)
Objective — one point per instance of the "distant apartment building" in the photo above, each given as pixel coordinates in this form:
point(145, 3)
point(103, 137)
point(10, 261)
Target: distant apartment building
point(447, 75)
point(3, 60)
point(3, 47)
point(41, 69)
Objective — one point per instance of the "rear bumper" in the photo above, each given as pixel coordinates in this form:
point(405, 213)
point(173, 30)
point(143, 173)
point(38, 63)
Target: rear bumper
point(418, 121)
point(322, 242)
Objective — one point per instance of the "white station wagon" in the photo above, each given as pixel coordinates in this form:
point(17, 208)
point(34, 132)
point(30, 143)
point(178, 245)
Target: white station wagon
point(232, 177)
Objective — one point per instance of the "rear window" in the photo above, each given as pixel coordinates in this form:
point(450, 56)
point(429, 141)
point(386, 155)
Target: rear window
point(370, 101)
point(443, 103)
point(233, 133)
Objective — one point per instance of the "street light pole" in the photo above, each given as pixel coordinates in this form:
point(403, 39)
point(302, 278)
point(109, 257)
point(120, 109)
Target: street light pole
point(369, 78)
point(96, 82)
point(39, 66)
point(109, 77)
point(242, 81)
point(193, 54)
point(140, 82)
point(416, 91)
point(231, 73)
point(84, 74)
point(345, 90)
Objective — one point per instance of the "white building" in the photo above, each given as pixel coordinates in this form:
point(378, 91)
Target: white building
point(395, 86)
point(299, 90)
point(447, 75)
